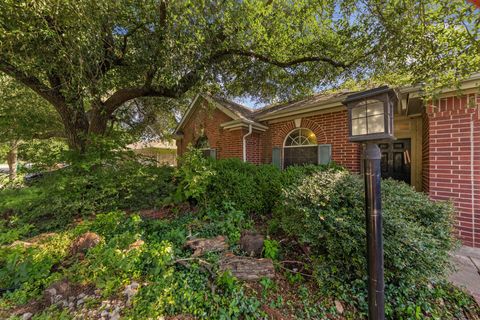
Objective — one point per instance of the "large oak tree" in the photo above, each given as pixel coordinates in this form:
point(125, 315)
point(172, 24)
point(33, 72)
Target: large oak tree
point(89, 58)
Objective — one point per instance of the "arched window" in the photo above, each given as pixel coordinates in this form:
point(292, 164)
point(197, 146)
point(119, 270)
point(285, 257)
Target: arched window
point(301, 137)
point(202, 143)
point(300, 147)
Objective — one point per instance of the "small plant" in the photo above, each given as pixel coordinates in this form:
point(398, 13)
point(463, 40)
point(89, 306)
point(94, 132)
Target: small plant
point(227, 221)
point(267, 286)
point(227, 281)
point(294, 277)
point(271, 249)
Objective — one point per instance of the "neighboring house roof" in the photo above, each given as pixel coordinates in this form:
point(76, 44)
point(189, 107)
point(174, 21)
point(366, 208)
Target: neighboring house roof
point(160, 144)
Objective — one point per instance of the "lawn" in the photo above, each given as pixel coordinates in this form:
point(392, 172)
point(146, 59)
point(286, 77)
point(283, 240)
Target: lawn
point(114, 241)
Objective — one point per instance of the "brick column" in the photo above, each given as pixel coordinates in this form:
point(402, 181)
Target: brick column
point(454, 161)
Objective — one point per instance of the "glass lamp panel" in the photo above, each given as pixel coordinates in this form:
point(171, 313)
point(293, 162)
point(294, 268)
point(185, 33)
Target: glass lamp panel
point(359, 111)
point(374, 107)
point(359, 126)
point(376, 124)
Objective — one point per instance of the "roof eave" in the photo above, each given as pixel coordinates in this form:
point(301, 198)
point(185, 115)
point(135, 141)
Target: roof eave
point(243, 123)
point(327, 104)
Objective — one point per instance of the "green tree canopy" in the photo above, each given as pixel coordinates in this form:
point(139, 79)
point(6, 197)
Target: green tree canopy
point(24, 115)
point(88, 58)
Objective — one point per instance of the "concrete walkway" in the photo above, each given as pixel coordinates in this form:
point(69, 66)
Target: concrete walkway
point(467, 274)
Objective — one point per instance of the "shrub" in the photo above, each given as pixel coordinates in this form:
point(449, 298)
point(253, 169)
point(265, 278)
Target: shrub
point(225, 220)
point(83, 189)
point(326, 212)
point(249, 188)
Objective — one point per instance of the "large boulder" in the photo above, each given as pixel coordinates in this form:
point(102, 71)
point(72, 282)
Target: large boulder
point(83, 243)
point(251, 243)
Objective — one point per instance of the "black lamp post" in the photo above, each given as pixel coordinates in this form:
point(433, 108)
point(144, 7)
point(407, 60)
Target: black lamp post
point(370, 115)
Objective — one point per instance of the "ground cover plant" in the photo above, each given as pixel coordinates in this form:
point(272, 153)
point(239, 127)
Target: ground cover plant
point(312, 219)
point(56, 198)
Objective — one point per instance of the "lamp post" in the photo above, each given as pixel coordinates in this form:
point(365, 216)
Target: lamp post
point(370, 117)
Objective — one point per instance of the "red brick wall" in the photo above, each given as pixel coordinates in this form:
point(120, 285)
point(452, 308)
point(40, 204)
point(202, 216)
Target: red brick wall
point(254, 147)
point(454, 161)
point(231, 145)
point(208, 119)
point(330, 128)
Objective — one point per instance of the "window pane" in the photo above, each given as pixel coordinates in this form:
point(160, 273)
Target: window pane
point(359, 112)
point(300, 156)
point(301, 137)
point(312, 139)
point(376, 124)
point(359, 126)
point(374, 107)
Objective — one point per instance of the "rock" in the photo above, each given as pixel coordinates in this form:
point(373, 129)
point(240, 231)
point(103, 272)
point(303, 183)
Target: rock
point(339, 307)
point(245, 268)
point(200, 246)
point(84, 242)
point(130, 291)
point(27, 316)
point(58, 299)
point(115, 315)
point(21, 243)
point(57, 291)
point(81, 295)
point(251, 243)
point(51, 292)
point(80, 302)
point(137, 244)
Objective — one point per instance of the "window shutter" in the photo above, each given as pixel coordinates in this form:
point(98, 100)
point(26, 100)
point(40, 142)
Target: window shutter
point(213, 153)
point(277, 157)
point(324, 153)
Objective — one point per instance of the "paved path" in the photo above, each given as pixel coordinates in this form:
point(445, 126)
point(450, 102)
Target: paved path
point(467, 275)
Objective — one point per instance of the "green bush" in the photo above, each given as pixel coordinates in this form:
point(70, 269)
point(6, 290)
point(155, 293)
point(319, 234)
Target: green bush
point(326, 212)
point(249, 188)
point(83, 189)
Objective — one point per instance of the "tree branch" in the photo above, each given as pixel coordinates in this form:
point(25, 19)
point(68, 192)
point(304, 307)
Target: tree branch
point(278, 63)
point(191, 78)
point(33, 83)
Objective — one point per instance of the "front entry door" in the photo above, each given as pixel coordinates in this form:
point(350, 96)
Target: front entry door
point(396, 160)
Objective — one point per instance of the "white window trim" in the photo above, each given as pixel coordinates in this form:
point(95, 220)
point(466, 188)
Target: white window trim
point(299, 146)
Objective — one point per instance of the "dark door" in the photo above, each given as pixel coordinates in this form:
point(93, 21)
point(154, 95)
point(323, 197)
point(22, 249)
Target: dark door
point(396, 160)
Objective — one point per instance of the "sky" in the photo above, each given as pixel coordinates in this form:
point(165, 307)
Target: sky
point(249, 102)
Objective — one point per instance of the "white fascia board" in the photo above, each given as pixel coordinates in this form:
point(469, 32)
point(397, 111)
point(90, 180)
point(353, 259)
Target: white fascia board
point(243, 123)
point(187, 114)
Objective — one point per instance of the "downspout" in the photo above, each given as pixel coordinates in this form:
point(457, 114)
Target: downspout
point(472, 176)
point(245, 143)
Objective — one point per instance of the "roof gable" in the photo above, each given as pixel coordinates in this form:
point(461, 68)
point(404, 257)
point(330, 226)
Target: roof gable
point(228, 109)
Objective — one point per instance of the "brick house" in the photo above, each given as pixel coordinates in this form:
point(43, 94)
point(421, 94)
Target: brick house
point(437, 146)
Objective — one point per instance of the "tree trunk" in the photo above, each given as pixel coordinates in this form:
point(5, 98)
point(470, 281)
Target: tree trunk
point(75, 123)
point(12, 160)
point(98, 120)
